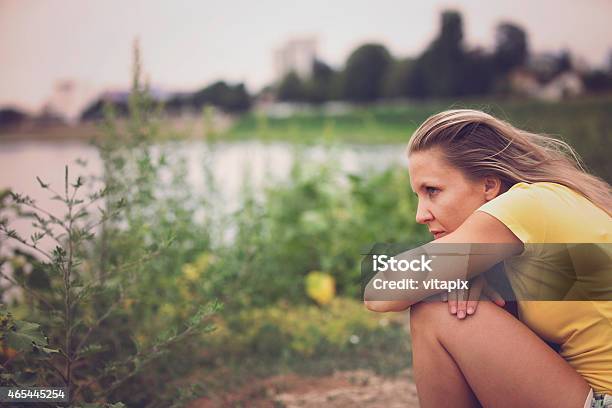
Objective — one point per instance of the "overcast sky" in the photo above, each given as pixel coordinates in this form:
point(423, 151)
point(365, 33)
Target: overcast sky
point(188, 44)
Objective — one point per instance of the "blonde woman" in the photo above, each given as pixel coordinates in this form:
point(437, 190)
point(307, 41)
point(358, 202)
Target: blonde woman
point(480, 180)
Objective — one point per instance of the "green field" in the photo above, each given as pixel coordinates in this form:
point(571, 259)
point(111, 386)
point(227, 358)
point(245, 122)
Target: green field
point(585, 123)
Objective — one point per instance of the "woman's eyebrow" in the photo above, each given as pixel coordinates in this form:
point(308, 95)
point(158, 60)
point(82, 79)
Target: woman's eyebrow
point(425, 184)
point(421, 185)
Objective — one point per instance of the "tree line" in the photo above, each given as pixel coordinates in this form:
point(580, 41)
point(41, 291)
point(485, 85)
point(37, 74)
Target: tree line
point(446, 68)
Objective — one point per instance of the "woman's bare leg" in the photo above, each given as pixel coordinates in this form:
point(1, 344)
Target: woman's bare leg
point(439, 381)
point(490, 355)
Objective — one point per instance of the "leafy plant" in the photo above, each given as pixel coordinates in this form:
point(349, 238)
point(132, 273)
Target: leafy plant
point(86, 319)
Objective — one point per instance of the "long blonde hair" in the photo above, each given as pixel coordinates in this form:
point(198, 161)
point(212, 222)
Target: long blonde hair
point(481, 145)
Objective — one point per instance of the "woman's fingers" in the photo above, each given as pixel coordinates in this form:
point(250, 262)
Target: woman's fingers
point(476, 289)
point(494, 296)
point(463, 303)
point(462, 298)
point(452, 301)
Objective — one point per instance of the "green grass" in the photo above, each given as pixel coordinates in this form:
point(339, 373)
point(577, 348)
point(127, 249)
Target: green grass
point(395, 123)
point(585, 123)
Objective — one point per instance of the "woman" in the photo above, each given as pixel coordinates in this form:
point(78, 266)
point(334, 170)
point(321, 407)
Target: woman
point(480, 180)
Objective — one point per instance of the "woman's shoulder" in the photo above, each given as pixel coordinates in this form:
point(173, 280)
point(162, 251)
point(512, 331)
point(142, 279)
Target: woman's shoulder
point(546, 195)
point(544, 187)
point(550, 212)
point(554, 199)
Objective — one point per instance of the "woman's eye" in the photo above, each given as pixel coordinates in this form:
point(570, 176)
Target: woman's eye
point(431, 190)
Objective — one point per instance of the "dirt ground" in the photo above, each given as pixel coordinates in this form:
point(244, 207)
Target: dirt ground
point(358, 388)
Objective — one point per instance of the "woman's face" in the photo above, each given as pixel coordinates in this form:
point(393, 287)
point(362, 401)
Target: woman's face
point(446, 197)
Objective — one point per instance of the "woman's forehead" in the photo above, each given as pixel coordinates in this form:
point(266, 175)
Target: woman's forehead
point(430, 161)
point(429, 167)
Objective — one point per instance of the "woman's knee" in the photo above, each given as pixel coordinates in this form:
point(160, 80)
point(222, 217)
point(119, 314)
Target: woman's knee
point(426, 315)
point(431, 315)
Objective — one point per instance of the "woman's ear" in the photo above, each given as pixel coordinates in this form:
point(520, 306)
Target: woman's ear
point(492, 187)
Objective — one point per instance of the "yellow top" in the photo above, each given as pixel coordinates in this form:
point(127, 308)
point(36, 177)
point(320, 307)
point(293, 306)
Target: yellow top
point(550, 213)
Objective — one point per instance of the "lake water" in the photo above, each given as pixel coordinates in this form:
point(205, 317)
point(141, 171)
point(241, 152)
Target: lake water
point(231, 164)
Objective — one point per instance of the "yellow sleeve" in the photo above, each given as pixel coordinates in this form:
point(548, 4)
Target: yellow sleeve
point(522, 210)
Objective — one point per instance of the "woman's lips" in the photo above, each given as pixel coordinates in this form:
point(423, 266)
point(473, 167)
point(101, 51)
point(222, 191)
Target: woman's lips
point(438, 234)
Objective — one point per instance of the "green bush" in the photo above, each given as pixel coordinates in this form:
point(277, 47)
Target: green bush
point(93, 315)
point(320, 219)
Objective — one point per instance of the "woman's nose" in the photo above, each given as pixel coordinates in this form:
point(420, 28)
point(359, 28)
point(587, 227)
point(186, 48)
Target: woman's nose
point(423, 215)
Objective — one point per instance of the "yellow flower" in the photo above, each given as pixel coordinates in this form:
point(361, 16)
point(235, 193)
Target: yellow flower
point(204, 260)
point(193, 271)
point(190, 272)
point(320, 286)
point(167, 310)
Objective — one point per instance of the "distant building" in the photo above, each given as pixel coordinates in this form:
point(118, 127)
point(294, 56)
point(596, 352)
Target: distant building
point(564, 85)
point(567, 84)
point(296, 55)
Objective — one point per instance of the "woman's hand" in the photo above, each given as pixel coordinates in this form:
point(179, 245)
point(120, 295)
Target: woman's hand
point(464, 302)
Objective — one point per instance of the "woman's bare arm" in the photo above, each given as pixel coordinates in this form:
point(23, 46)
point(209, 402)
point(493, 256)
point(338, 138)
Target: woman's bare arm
point(479, 228)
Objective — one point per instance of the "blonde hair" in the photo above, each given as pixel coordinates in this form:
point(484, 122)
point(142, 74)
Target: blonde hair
point(481, 145)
